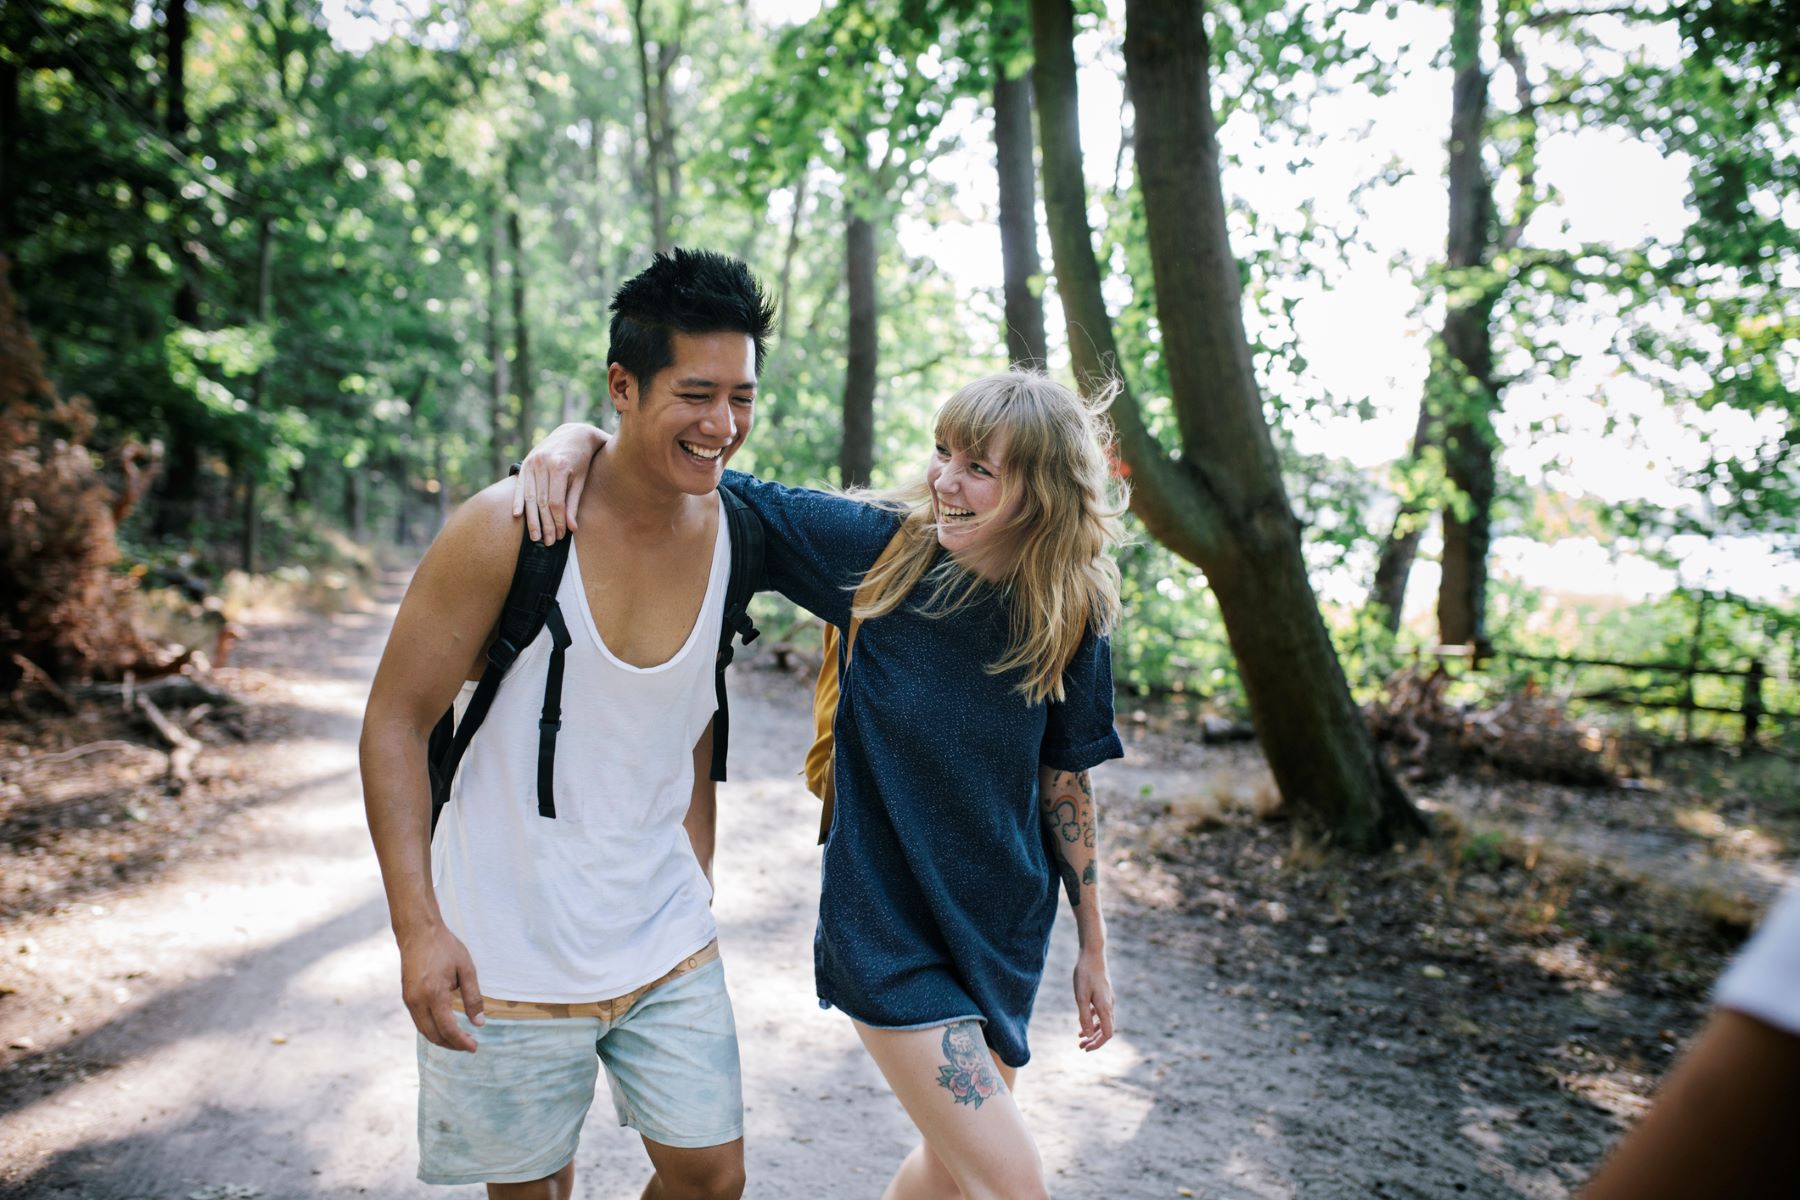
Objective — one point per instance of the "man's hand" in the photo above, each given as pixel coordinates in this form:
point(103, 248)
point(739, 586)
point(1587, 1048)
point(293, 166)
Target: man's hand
point(1093, 999)
point(435, 966)
point(547, 489)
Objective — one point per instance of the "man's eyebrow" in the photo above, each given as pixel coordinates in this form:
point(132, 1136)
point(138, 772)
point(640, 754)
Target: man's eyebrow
point(696, 382)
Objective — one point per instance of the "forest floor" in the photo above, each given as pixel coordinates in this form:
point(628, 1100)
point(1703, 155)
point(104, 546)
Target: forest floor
point(199, 997)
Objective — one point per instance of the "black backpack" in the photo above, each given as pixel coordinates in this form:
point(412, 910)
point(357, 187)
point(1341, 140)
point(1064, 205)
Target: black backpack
point(531, 606)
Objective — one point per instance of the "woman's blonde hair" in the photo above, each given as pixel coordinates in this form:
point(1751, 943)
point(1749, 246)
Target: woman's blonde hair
point(1060, 577)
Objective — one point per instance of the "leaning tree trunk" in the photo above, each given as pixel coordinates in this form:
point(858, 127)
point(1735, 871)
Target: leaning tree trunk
point(1468, 345)
point(1221, 504)
point(858, 453)
point(1024, 308)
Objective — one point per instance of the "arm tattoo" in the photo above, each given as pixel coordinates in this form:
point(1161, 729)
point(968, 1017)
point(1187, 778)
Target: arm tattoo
point(970, 1076)
point(1069, 810)
point(1071, 881)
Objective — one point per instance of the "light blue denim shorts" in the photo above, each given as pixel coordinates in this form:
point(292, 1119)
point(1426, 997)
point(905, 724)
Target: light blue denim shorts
point(512, 1111)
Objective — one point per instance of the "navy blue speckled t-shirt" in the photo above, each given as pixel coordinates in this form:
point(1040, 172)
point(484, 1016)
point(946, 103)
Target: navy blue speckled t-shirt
point(938, 886)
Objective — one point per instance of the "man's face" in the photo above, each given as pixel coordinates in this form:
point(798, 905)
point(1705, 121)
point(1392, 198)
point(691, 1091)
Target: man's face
point(697, 410)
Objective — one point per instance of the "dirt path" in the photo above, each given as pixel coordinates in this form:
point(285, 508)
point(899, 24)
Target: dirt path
point(233, 1029)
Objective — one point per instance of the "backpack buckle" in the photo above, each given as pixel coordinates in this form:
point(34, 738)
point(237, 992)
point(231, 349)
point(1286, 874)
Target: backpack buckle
point(743, 626)
point(502, 653)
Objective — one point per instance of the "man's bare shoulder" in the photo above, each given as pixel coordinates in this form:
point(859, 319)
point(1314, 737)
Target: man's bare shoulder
point(479, 545)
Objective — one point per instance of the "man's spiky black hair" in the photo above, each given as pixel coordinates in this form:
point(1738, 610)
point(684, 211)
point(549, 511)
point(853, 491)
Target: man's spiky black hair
point(685, 291)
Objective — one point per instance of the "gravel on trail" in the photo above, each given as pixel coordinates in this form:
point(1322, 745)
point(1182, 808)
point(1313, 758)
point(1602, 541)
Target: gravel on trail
point(223, 1021)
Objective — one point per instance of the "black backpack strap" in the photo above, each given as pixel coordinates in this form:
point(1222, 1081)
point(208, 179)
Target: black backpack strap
point(746, 531)
point(550, 723)
point(529, 600)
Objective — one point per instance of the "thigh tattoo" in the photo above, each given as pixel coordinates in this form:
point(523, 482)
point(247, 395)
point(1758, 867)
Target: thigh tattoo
point(970, 1076)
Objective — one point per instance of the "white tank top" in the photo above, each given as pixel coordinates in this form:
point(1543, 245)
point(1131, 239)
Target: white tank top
point(607, 896)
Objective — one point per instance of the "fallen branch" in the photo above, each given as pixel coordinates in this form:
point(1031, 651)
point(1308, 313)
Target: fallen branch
point(32, 673)
point(183, 750)
point(62, 756)
point(173, 690)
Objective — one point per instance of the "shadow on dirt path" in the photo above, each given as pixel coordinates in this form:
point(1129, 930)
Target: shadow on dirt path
point(244, 1035)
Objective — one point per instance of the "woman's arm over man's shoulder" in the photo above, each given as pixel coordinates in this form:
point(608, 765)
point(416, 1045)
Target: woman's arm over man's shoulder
point(819, 544)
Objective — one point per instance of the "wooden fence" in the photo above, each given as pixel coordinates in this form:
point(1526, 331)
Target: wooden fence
point(1751, 709)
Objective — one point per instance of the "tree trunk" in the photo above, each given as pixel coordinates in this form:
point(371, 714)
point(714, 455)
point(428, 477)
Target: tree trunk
point(9, 154)
point(858, 453)
point(1468, 344)
point(653, 132)
point(176, 126)
point(497, 385)
point(403, 503)
point(265, 294)
point(1387, 595)
point(1222, 500)
point(1024, 307)
point(523, 383)
point(359, 504)
point(440, 471)
point(785, 281)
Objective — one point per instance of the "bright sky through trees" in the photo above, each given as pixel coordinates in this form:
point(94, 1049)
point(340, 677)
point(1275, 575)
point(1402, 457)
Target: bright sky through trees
point(1599, 433)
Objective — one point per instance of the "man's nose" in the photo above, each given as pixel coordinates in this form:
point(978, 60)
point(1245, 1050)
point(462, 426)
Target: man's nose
point(718, 419)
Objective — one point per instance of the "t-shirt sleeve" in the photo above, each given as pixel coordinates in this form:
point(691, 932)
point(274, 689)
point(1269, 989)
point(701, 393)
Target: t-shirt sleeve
point(1078, 733)
point(818, 545)
point(1763, 981)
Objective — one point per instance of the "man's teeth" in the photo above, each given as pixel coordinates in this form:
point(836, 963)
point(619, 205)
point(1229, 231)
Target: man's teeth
point(707, 452)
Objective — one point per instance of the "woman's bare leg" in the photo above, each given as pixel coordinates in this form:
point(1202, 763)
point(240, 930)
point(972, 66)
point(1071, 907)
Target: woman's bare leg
point(976, 1144)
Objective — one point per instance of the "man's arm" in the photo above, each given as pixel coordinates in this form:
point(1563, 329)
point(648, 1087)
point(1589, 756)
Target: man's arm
point(1723, 1123)
point(701, 821)
point(438, 639)
point(1066, 801)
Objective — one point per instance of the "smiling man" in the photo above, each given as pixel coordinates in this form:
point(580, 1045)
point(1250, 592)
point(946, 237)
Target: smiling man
point(542, 933)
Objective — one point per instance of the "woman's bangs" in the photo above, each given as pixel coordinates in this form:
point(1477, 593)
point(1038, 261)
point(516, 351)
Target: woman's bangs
point(968, 419)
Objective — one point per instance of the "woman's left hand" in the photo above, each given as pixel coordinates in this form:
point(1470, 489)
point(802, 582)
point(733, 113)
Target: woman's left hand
point(1093, 999)
point(547, 489)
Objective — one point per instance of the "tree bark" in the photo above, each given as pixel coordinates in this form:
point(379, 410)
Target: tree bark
point(497, 383)
point(856, 458)
point(1468, 344)
point(265, 295)
point(654, 150)
point(1173, 513)
point(1223, 498)
point(359, 504)
point(1393, 568)
point(1024, 307)
point(785, 280)
point(523, 382)
point(9, 154)
point(176, 126)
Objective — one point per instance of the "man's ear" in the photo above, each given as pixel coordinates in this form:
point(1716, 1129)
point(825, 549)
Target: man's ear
point(621, 388)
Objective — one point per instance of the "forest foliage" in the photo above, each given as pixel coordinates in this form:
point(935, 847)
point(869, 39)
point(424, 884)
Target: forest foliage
point(341, 274)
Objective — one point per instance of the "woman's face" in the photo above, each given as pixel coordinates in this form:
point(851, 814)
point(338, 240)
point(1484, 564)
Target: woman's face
point(968, 497)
